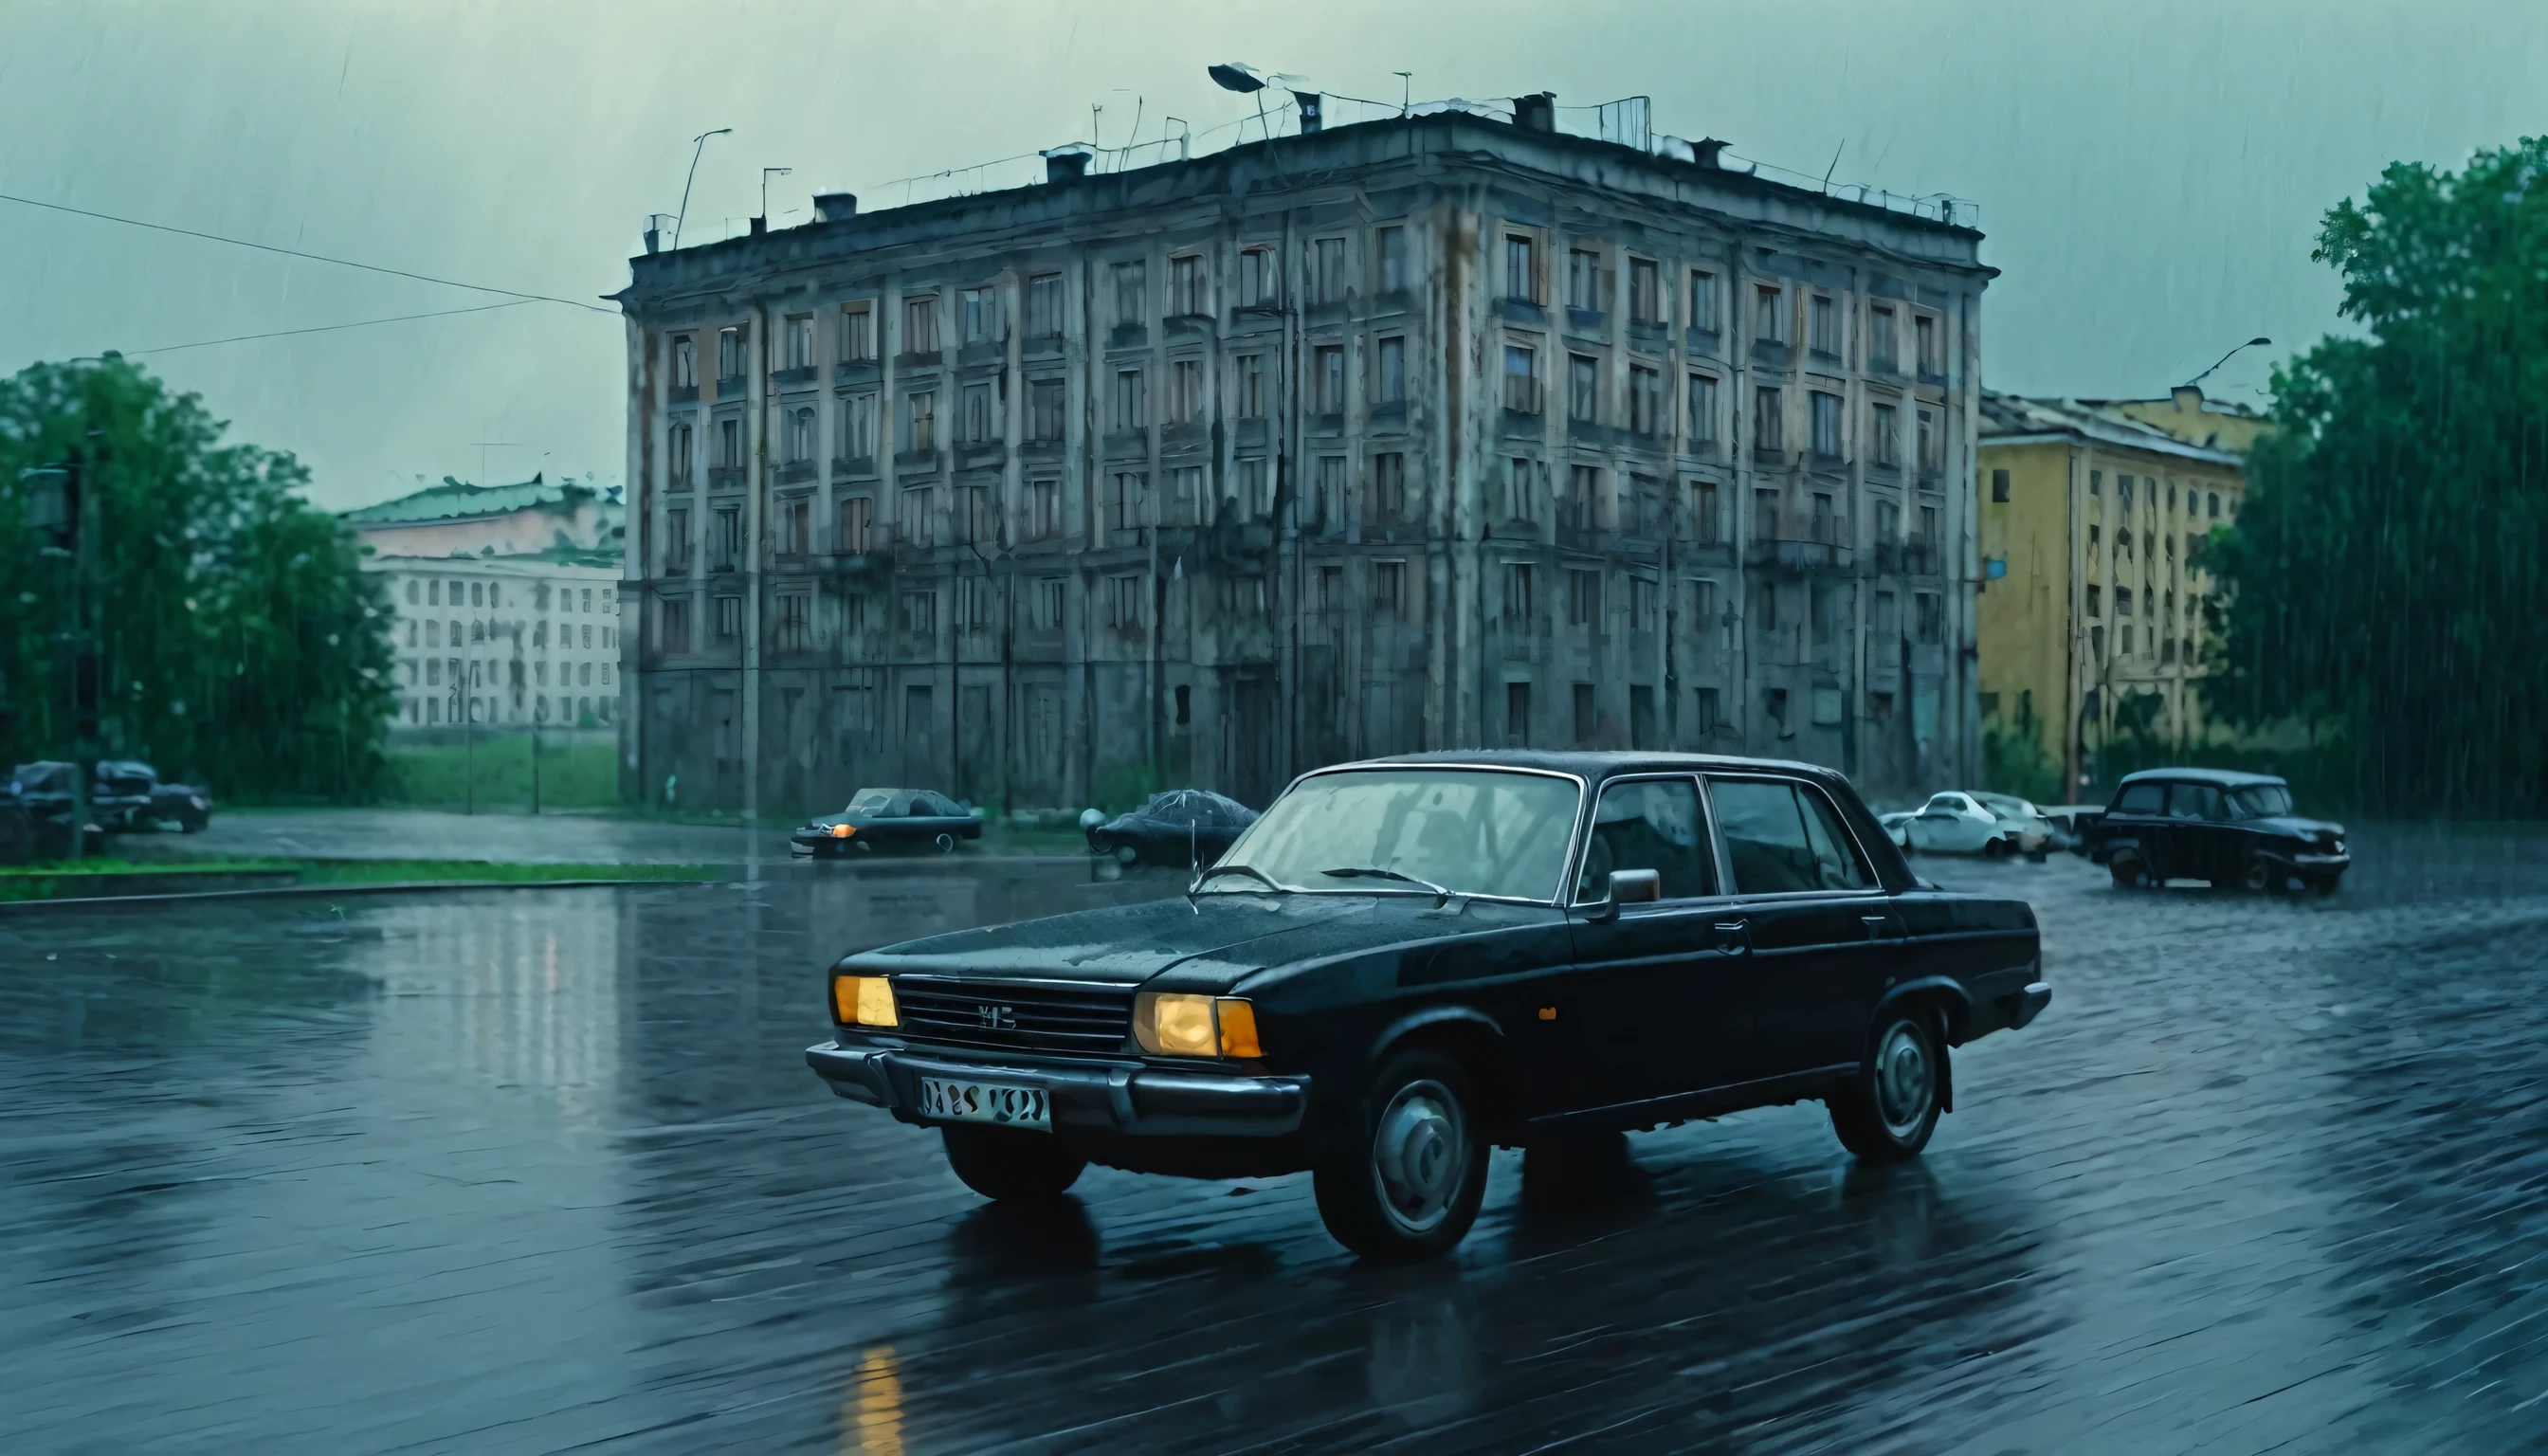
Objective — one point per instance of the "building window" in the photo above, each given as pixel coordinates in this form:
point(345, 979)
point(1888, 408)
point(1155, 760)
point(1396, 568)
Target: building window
point(1644, 604)
point(2212, 506)
point(1929, 533)
point(1888, 435)
point(920, 324)
point(1249, 383)
point(1328, 261)
point(2123, 602)
point(1124, 498)
point(1825, 419)
point(1045, 399)
point(795, 621)
point(800, 341)
point(1765, 515)
point(1186, 286)
point(725, 548)
point(1645, 291)
point(730, 444)
point(1883, 351)
point(1388, 588)
point(1769, 422)
point(1705, 525)
point(1933, 451)
point(1260, 278)
point(685, 362)
point(1189, 485)
point(1521, 270)
point(2124, 493)
point(1827, 529)
point(1185, 391)
point(1332, 379)
point(1583, 388)
point(1389, 485)
point(677, 448)
point(729, 618)
point(1702, 413)
point(1588, 718)
point(920, 614)
point(1522, 379)
point(1931, 611)
point(1331, 493)
point(978, 515)
point(981, 422)
point(1044, 306)
point(1584, 280)
point(972, 603)
point(1046, 605)
point(1583, 599)
point(1520, 606)
point(858, 333)
point(1392, 248)
point(1124, 602)
point(1584, 490)
point(1044, 510)
point(1703, 613)
point(857, 525)
point(978, 310)
point(796, 526)
point(1392, 383)
point(1131, 402)
point(1768, 319)
point(1518, 478)
point(1330, 599)
point(800, 435)
point(1999, 486)
point(920, 423)
point(1702, 300)
point(857, 428)
point(672, 629)
point(1644, 399)
point(1822, 326)
point(1708, 712)
point(920, 516)
point(1933, 357)
point(1255, 496)
point(729, 354)
point(1516, 715)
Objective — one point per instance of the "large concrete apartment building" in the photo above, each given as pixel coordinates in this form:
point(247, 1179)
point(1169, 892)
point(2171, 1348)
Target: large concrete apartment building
point(1431, 432)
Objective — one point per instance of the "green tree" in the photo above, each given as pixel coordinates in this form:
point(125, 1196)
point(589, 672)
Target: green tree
point(2385, 575)
point(238, 640)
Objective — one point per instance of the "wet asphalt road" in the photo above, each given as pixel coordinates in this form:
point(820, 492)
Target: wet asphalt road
point(543, 1170)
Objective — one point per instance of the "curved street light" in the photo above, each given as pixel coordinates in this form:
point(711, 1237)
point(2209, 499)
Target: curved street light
point(2258, 341)
point(698, 145)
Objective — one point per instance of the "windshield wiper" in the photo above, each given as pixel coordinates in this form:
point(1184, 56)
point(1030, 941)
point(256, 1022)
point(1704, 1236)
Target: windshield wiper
point(1250, 870)
point(1350, 872)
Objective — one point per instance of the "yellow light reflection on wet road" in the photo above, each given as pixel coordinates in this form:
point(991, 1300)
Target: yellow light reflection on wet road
point(871, 1411)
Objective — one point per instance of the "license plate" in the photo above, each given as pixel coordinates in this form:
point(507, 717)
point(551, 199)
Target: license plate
point(985, 1102)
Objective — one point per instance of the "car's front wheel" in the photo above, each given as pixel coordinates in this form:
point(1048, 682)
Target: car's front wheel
point(1996, 849)
point(1012, 1162)
point(2260, 876)
point(1407, 1179)
point(1887, 1111)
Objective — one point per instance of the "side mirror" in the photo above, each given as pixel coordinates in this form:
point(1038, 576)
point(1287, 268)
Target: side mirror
point(1635, 887)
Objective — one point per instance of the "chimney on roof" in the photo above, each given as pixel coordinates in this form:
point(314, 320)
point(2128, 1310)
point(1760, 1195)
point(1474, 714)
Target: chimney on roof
point(1536, 113)
point(1312, 105)
point(1065, 162)
point(832, 207)
point(760, 226)
point(2189, 397)
point(1707, 152)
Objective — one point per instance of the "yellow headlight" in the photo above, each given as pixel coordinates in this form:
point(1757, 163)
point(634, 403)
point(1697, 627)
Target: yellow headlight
point(863, 1001)
point(844, 831)
point(1177, 1024)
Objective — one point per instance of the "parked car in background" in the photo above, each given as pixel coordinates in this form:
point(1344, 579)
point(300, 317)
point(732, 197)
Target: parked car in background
point(2032, 824)
point(41, 794)
point(1959, 823)
point(2220, 827)
point(1181, 826)
point(2074, 821)
point(128, 795)
point(887, 818)
point(1405, 962)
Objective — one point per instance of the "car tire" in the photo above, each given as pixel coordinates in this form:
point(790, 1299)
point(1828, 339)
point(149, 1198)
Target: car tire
point(945, 844)
point(2127, 873)
point(2259, 878)
point(1995, 849)
point(1012, 1162)
point(1890, 1105)
point(1407, 1177)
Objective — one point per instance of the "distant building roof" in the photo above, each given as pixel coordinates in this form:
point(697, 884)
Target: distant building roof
point(456, 500)
point(2007, 417)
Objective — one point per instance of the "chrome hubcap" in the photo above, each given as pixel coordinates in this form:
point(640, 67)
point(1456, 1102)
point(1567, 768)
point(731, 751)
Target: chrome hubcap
point(1421, 1152)
point(1902, 1090)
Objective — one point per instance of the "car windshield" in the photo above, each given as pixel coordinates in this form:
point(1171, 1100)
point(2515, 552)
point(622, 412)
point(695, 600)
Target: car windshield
point(886, 804)
point(1471, 830)
point(2261, 801)
point(2004, 807)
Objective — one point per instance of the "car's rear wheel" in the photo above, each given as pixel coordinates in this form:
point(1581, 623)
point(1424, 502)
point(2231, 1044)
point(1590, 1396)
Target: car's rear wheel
point(2127, 871)
point(945, 844)
point(1888, 1108)
point(1407, 1178)
point(1012, 1162)
point(1995, 850)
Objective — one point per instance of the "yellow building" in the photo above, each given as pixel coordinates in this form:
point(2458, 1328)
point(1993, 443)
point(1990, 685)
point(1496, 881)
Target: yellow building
point(2091, 534)
point(2215, 425)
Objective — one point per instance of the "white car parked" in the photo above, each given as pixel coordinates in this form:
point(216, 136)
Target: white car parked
point(1959, 823)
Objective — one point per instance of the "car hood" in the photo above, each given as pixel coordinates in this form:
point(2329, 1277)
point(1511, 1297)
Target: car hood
point(1218, 939)
point(2297, 827)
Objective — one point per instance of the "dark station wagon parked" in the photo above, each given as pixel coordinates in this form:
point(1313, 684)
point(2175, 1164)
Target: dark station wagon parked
point(2223, 828)
point(1408, 960)
point(887, 818)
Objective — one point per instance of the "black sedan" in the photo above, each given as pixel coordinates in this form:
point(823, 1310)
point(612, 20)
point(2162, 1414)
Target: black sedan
point(1408, 960)
point(2220, 827)
point(130, 796)
point(888, 818)
point(1183, 826)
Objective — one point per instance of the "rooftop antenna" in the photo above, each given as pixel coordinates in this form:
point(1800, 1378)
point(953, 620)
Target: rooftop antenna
point(1185, 138)
point(698, 145)
point(1835, 166)
point(1405, 89)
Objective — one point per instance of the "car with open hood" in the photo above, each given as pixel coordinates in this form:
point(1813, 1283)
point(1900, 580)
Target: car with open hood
point(1407, 961)
point(2225, 828)
point(887, 819)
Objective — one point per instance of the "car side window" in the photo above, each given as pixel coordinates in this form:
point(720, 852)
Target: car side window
point(1650, 824)
point(944, 807)
point(2145, 797)
point(1765, 837)
point(1835, 857)
point(2194, 801)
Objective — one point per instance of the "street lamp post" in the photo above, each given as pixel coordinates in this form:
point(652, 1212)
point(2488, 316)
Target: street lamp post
point(2259, 341)
point(698, 143)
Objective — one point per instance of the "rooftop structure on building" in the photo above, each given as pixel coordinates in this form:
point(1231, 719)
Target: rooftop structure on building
point(563, 519)
point(1435, 432)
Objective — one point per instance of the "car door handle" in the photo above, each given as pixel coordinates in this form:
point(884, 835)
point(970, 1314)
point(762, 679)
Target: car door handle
point(1734, 937)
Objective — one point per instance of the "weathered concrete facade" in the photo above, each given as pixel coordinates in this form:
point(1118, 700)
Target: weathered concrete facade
point(1421, 433)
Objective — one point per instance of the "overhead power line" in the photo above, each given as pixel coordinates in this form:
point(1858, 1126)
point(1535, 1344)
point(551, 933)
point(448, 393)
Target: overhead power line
point(241, 338)
point(267, 247)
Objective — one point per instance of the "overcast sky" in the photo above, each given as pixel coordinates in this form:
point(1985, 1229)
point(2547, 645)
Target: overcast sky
point(2150, 175)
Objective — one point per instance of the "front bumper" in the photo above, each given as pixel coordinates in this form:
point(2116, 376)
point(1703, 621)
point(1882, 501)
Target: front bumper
point(2311, 865)
point(1122, 1099)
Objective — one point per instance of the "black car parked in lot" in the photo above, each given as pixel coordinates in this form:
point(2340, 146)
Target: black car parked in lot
point(2214, 824)
point(1178, 827)
point(1407, 961)
point(887, 818)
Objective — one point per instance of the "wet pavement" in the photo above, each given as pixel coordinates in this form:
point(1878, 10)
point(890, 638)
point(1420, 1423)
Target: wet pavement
point(543, 1170)
point(442, 834)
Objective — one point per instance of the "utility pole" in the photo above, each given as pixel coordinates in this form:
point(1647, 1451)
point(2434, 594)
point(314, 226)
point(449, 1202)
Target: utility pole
point(58, 507)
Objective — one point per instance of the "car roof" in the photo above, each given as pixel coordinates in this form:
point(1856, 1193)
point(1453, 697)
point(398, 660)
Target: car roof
point(1595, 764)
point(2225, 777)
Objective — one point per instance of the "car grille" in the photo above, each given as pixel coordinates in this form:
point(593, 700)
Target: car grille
point(1040, 1017)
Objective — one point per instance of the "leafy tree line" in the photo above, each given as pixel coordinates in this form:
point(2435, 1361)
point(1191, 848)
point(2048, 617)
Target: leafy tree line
point(2386, 574)
point(238, 643)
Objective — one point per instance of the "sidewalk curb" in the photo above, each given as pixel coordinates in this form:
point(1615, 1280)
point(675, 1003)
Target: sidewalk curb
point(342, 888)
